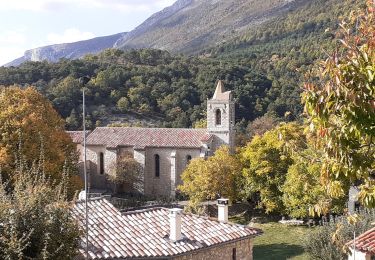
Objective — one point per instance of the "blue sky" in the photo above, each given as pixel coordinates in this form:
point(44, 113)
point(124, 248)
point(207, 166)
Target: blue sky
point(26, 24)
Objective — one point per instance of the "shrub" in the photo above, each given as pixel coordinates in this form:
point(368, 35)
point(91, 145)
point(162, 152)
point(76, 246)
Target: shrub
point(35, 221)
point(328, 241)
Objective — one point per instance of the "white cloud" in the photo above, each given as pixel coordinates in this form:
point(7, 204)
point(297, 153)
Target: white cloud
point(56, 5)
point(12, 37)
point(69, 35)
point(7, 54)
point(132, 5)
point(33, 5)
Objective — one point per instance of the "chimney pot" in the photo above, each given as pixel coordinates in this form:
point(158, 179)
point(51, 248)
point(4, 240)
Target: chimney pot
point(222, 206)
point(175, 224)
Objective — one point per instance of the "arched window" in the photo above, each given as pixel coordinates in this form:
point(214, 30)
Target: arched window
point(188, 159)
point(101, 163)
point(218, 117)
point(157, 165)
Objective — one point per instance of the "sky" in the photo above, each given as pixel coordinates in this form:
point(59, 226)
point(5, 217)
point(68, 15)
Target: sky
point(27, 24)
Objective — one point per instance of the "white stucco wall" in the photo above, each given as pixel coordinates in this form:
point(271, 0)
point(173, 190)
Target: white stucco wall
point(357, 255)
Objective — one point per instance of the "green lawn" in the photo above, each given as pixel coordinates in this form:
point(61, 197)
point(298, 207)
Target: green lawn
point(278, 242)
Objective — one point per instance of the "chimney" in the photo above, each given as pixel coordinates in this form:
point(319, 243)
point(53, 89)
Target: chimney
point(175, 224)
point(222, 206)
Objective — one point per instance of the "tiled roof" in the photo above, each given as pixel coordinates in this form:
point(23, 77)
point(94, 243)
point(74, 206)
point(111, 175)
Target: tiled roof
point(365, 242)
point(148, 137)
point(145, 233)
point(77, 136)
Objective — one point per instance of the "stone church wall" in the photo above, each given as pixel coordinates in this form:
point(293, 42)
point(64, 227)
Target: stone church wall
point(161, 186)
point(97, 180)
point(182, 161)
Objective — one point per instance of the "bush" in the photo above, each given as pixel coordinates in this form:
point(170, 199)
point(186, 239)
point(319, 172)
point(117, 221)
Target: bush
point(328, 241)
point(35, 219)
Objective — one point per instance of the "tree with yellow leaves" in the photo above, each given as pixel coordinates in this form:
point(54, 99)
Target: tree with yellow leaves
point(207, 179)
point(30, 128)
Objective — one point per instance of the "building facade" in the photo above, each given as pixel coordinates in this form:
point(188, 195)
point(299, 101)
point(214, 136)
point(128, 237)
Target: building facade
point(163, 153)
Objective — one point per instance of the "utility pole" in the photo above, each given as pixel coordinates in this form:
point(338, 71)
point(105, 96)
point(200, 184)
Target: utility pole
point(83, 81)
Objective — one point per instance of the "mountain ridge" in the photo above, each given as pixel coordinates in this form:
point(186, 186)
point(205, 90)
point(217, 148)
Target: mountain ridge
point(187, 26)
point(74, 50)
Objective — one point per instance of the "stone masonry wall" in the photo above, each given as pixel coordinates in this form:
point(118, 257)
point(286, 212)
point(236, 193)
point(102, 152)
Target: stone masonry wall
point(161, 186)
point(181, 157)
point(224, 133)
point(97, 180)
point(244, 251)
point(157, 186)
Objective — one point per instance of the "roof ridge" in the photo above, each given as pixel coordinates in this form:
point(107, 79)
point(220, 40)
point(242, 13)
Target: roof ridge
point(133, 212)
point(153, 128)
point(91, 199)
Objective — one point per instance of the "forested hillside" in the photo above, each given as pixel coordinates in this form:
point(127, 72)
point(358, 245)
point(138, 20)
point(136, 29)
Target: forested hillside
point(189, 26)
point(264, 68)
point(151, 82)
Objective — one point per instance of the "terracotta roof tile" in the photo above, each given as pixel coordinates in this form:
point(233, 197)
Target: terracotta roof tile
point(140, 138)
point(365, 242)
point(77, 136)
point(116, 235)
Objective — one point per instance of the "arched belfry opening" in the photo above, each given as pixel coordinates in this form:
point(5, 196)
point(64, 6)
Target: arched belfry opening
point(218, 117)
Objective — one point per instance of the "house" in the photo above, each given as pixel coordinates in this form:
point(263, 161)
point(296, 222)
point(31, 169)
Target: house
point(161, 233)
point(363, 247)
point(163, 153)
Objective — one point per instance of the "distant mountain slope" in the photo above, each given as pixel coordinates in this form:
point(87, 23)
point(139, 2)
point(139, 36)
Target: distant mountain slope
point(188, 26)
point(191, 25)
point(73, 50)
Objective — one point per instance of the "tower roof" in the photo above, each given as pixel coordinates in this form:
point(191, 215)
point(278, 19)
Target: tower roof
point(220, 93)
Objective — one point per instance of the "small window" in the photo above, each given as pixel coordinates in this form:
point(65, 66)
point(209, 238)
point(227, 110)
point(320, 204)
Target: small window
point(101, 163)
point(218, 117)
point(188, 159)
point(234, 254)
point(157, 165)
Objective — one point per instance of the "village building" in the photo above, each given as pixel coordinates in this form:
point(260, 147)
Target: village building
point(163, 153)
point(363, 246)
point(161, 233)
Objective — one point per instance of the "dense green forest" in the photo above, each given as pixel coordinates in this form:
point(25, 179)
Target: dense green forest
point(264, 67)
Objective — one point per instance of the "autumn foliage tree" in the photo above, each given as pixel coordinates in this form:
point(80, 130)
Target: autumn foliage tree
point(207, 179)
point(266, 161)
point(35, 217)
point(30, 128)
point(126, 174)
point(341, 108)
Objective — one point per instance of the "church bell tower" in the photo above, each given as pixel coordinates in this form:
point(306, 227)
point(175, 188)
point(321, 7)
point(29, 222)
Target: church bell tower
point(221, 117)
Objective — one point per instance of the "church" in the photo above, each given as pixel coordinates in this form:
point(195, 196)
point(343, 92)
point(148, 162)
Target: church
point(163, 153)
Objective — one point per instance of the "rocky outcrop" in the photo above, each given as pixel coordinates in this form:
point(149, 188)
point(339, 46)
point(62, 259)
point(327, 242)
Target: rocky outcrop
point(73, 50)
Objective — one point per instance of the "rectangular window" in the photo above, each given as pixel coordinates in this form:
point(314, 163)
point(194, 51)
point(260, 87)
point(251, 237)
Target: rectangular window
point(157, 165)
point(101, 163)
point(234, 254)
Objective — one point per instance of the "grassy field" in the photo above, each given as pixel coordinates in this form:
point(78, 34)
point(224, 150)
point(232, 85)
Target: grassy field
point(278, 242)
